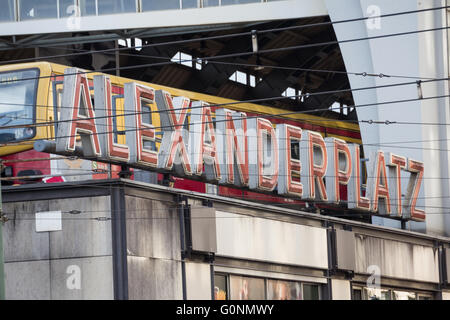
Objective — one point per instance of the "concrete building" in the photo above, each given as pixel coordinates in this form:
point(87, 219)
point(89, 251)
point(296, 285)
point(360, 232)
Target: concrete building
point(123, 239)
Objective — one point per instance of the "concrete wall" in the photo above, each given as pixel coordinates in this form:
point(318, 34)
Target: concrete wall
point(396, 259)
point(261, 239)
point(73, 263)
point(153, 246)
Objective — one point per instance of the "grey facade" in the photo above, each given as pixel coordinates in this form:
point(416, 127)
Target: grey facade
point(122, 239)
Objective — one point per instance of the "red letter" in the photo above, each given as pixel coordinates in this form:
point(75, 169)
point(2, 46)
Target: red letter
point(201, 150)
point(77, 100)
point(134, 95)
point(314, 172)
point(377, 184)
point(335, 147)
point(416, 168)
point(355, 200)
point(286, 134)
point(110, 149)
point(173, 143)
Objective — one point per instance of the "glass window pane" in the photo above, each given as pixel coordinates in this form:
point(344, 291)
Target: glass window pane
point(245, 288)
point(149, 5)
point(32, 9)
point(67, 8)
point(404, 295)
point(283, 290)
point(190, 4)
point(149, 145)
point(87, 8)
point(17, 100)
point(310, 291)
point(116, 6)
point(7, 12)
point(228, 2)
point(210, 3)
point(220, 287)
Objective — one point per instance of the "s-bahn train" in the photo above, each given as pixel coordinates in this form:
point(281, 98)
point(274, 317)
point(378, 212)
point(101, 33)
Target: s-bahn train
point(30, 104)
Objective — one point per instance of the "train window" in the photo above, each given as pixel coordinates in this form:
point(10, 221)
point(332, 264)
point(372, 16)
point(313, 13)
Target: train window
point(88, 7)
point(357, 294)
point(404, 295)
point(17, 104)
point(149, 145)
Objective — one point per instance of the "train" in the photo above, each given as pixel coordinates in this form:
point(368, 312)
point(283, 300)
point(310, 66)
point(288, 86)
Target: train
point(30, 105)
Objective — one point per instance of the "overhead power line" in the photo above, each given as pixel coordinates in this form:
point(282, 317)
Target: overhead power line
point(239, 54)
point(247, 33)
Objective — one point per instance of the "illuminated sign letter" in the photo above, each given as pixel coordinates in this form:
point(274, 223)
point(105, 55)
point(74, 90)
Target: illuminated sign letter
point(203, 146)
point(173, 152)
point(395, 165)
point(416, 168)
point(77, 116)
point(354, 198)
point(232, 143)
point(289, 140)
point(141, 134)
point(339, 167)
point(377, 185)
point(263, 160)
point(102, 95)
point(313, 149)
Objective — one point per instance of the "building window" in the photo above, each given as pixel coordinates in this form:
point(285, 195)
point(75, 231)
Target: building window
point(210, 3)
point(116, 6)
point(187, 4)
point(365, 293)
point(8, 12)
point(88, 7)
point(152, 5)
point(311, 291)
point(43, 9)
point(229, 2)
point(220, 287)
point(246, 288)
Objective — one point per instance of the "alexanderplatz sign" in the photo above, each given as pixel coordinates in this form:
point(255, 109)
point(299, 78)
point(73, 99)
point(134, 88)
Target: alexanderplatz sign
point(234, 150)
